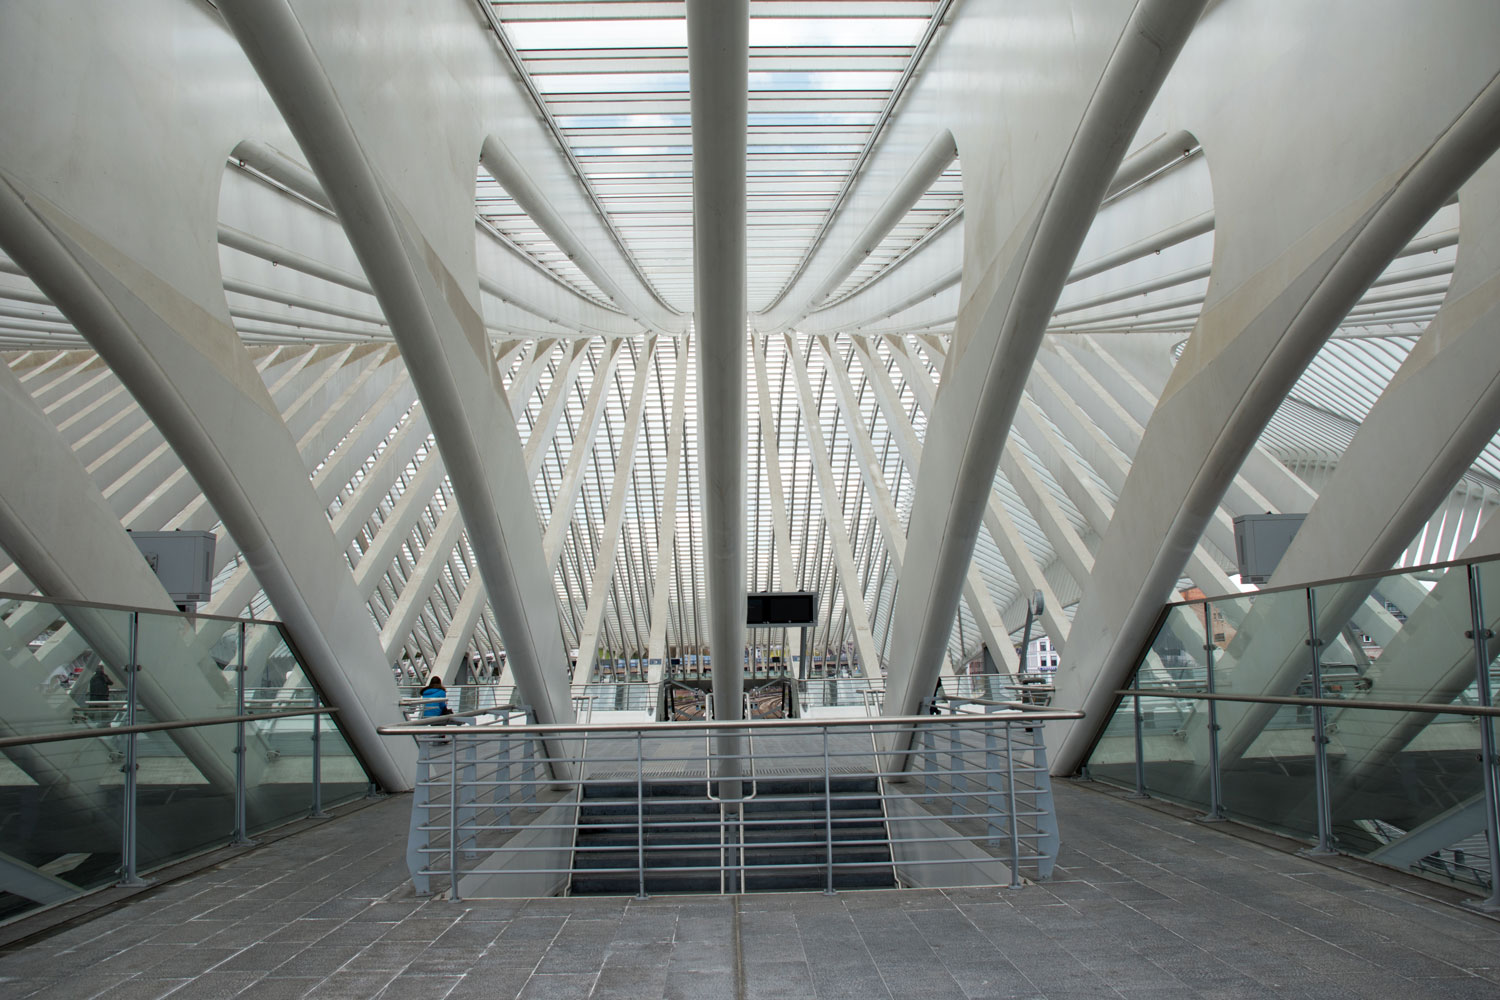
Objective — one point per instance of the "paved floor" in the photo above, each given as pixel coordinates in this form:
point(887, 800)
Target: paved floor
point(1143, 905)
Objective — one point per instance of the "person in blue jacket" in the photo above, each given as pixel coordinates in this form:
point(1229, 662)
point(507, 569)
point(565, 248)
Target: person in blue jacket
point(434, 698)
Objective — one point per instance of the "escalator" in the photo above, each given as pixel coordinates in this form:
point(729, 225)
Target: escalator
point(776, 699)
point(784, 841)
point(688, 700)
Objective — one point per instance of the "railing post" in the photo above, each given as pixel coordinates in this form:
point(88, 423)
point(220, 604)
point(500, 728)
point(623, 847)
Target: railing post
point(453, 893)
point(241, 832)
point(957, 763)
point(827, 815)
point(421, 818)
point(1049, 842)
point(128, 876)
point(1215, 812)
point(1481, 637)
point(531, 768)
point(469, 794)
point(317, 760)
point(1140, 747)
point(1320, 738)
point(994, 804)
point(1015, 820)
point(505, 775)
point(640, 816)
point(929, 759)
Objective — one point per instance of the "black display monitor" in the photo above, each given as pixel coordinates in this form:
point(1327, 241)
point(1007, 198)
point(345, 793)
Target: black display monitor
point(793, 610)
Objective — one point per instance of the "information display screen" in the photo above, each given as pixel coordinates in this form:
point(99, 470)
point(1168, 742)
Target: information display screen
point(790, 610)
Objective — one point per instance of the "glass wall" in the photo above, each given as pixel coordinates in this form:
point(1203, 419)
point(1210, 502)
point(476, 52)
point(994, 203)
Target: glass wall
point(186, 777)
point(1382, 671)
point(120, 734)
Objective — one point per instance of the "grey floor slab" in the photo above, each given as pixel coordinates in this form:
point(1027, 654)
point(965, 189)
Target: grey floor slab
point(1143, 905)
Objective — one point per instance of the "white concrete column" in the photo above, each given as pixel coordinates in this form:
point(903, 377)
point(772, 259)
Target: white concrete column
point(554, 404)
point(578, 456)
point(780, 526)
point(666, 528)
point(1424, 432)
point(422, 271)
point(718, 71)
point(833, 516)
point(58, 528)
point(214, 409)
point(1365, 189)
point(609, 539)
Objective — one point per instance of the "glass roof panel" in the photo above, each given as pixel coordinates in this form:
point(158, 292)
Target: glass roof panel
point(601, 83)
point(833, 31)
point(613, 76)
point(613, 33)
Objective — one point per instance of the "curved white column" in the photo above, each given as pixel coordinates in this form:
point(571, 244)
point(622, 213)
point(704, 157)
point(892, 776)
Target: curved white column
point(123, 240)
point(58, 528)
point(414, 243)
point(1425, 431)
point(1282, 279)
point(1010, 289)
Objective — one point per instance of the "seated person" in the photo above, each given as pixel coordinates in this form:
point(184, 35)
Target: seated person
point(434, 698)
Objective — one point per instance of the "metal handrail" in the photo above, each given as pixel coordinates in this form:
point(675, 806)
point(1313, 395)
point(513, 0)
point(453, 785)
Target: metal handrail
point(70, 602)
point(473, 713)
point(447, 720)
point(1334, 582)
point(153, 727)
point(960, 700)
point(1026, 712)
point(991, 779)
point(708, 757)
point(1429, 708)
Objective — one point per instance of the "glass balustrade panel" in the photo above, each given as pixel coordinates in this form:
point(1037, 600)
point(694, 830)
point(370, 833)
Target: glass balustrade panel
point(278, 748)
point(1398, 638)
point(281, 747)
point(1260, 647)
point(1174, 730)
point(66, 666)
point(1113, 757)
point(186, 777)
point(60, 819)
point(61, 802)
point(1414, 798)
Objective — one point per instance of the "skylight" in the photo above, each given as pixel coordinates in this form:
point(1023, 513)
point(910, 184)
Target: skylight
point(817, 85)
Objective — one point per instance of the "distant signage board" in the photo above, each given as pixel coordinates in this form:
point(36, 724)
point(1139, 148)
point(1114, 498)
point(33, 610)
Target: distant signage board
point(785, 610)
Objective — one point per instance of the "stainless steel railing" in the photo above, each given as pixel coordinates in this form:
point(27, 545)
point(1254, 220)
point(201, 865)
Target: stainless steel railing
point(587, 698)
point(974, 807)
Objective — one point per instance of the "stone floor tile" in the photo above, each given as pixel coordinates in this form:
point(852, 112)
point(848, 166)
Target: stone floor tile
point(1144, 905)
point(406, 987)
point(359, 986)
point(137, 988)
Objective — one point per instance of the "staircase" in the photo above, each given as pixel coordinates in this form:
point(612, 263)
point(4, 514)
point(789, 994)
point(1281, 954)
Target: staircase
point(785, 835)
